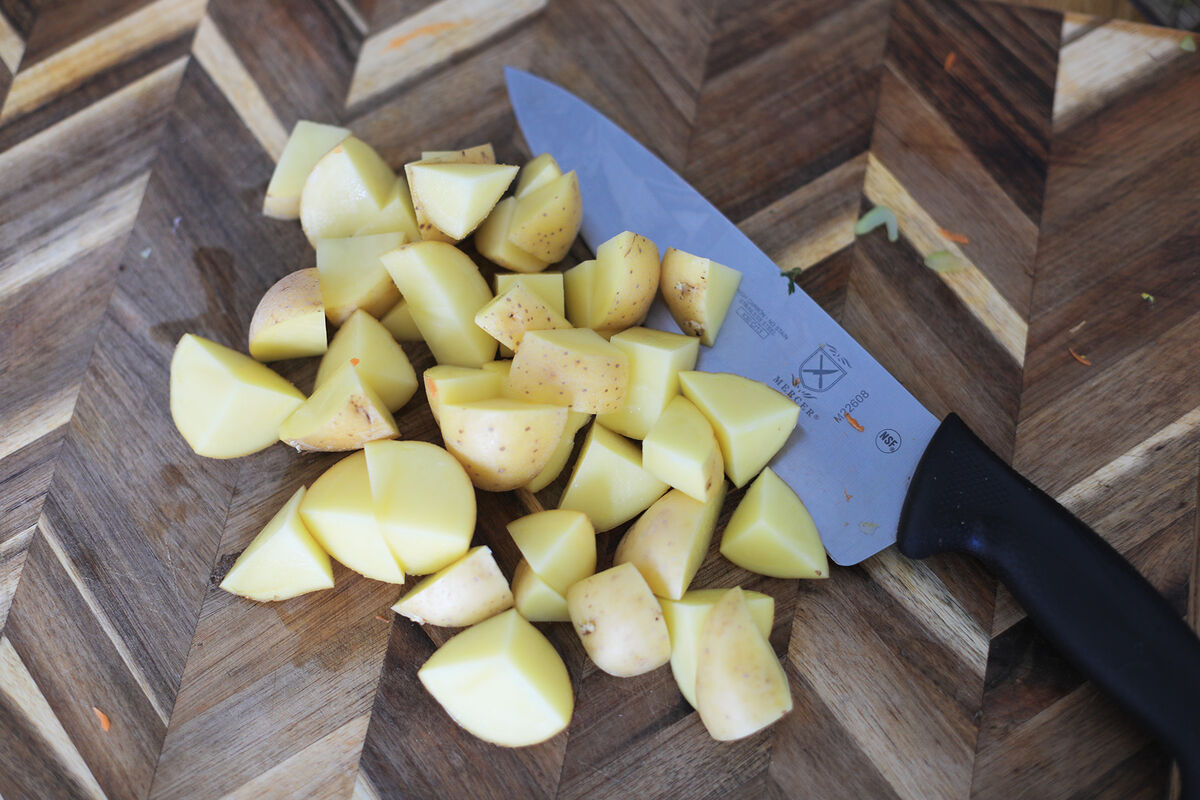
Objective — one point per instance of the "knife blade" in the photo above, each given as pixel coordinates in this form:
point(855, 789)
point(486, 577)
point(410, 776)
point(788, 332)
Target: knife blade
point(860, 434)
point(870, 463)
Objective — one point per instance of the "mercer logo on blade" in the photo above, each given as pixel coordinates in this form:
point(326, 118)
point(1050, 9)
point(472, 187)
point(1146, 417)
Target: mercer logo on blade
point(821, 371)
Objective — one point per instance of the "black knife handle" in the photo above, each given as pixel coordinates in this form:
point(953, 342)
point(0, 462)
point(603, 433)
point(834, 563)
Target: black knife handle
point(1087, 599)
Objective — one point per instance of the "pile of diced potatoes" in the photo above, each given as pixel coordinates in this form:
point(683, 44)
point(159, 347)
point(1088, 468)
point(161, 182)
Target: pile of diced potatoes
point(664, 438)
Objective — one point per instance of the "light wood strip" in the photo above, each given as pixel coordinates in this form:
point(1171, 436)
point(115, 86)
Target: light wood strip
point(33, 420)
point(972, 287)
point(151, 25)
point(18, 685)
point(317, 771)
point(363, 788)
point(228, 72)
point(101, 618)
point(12, 558)
point(431, 37)
point(12, 46)
point(354, 15)
point(529, 501)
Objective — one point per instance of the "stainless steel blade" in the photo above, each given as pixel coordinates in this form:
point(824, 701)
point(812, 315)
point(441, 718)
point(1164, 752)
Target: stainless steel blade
point(860, 433)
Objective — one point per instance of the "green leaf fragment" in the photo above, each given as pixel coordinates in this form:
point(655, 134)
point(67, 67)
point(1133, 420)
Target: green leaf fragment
point(879, 215)
point(944, 261)
point(1149, 298)
point(1188, 44)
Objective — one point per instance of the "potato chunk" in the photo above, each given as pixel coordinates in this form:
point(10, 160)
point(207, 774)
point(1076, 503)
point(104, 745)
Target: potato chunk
point(698, 292)
point(517, 310)
point(579, 286)
point(772, 533)
point(344, 413)
point(619, 621)
point(560, 546)
point(669, 541)
point(289, 321)
point(740, 686)
point(536, 173)
point(305, 146)
point(609, 483)
point(655, 360)
point(396, 216)
point(546, 285)
point(363, 342)
point(457, 197)
point(685, 619)
point(344, 191)
point(226, 404)
point(340, 515)
point(447, 384)
point(502, 681)
point(353, 277)
point(573, 367)
point(491, 240)
point(502, 443)
point(444, 289)
point(479, 154)
point(424, 503)
point(681, 449)
point(546, 220)
point(625, 281)
point(535, 599)
point(400, 323)
point(283, 560)
point(751, 420)
point(562, 451)
point(466, 592)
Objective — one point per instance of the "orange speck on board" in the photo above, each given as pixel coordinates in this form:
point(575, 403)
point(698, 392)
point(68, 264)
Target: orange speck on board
point(949, 62)
point(354, 362)
point(854, 423)
point(953, 237)
point(432, 29)
point(848, 495)
point(380, 618)
point(1081, 359)
point(105, 724)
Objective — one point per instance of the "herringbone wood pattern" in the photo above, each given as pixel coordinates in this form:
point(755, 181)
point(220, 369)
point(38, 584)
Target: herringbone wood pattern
point(136, 138)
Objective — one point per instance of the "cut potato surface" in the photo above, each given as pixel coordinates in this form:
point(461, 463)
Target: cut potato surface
point(562, 451)
point(340, 515)
point(681, 449)
point(353, 277)
point(685, 619)
point(457, 197)
point(491, 240)
point(535, 599)
point(444, 290)
point(559, 545)
point(502, 443)
point(619, 621)
point(698, 293)
point(608, 482)
point(772, 533)
point(289, 321)
point(546, 220)
point(400, 323)
point(502, 681)
point(669, 541)
point(344, 413)
point(447, 384)
point(517, 310)
point(546, 285)
point(536, 173)
point(479, 154)
point(655, 360)
point(344, 191)
point(308, 142)
point(624, 281)
point(741, 687)
point(365, 343)
point(424, 503)
point(751, 420)
point(396, 216)
point(283, 560)
point(226, 404)
point(578, 285)
point(572, 367)
point(466, 592)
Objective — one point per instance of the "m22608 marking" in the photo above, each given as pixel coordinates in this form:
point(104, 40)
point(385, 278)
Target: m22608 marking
point(854, 403)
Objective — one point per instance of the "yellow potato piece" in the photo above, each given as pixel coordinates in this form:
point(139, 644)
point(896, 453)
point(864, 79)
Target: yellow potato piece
point(517, 310)
point(560, 546)
point(619, 621)
point(502, 681)
point(457, 197)
point(655, 360)
point(681, 449)
point(289, 321)
point(446, 384)
point(502, 443)
point(305, 146)
point(381, 363)
point(546, 285)
point(424, 503)
point(226, 404)
point(698, 293)
point(340, 515)
point(536, 173)
point(546, 220)
point(562, 451)
point(466, 592)
point(491, 240)
point(396, 216)
point(535, 600)
point(772, 533)
point(740, 686)
point(669, 541)
point(608, 482)
point(353, 277)
point(579, 286)
point(685, 618)
point(752, 421)
point(479, 154)
point(344, 191)
point(283, 560)
point(344, 413)
point(444, 290)
point(624, 281)
point(572, 367)
point(400, 323)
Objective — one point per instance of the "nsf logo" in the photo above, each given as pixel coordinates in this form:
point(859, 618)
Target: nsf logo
point(821, 371)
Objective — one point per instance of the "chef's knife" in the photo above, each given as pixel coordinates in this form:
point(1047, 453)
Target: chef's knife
point(870, 463)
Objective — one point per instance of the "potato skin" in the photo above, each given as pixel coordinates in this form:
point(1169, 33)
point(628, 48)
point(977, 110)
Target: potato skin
point(619, 621)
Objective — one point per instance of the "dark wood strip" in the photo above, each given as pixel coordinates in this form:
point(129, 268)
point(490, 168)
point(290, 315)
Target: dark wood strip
point(28, 765)
point(21, 14)
point(826, 282)
point(61, 23)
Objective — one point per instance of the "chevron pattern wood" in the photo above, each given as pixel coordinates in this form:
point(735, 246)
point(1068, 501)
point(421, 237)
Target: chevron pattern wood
point(1056, 156)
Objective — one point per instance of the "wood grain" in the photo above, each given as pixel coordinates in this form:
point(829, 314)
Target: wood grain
point(136, 138)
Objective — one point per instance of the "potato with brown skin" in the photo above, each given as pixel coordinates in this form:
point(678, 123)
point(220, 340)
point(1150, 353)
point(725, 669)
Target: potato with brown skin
point(289, 321)
point(572, 367)
point(619, 621)
point(502, 443)
point(670, 539)
point(466, 592)
point(546, 220)
point(624, 282)
point(698, 292)
point(517, 310)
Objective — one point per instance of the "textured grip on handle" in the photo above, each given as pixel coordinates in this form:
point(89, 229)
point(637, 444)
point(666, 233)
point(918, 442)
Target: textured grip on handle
point(1085, 597)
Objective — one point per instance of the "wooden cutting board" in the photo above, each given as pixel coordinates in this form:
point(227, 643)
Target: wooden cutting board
point(1059, 156)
